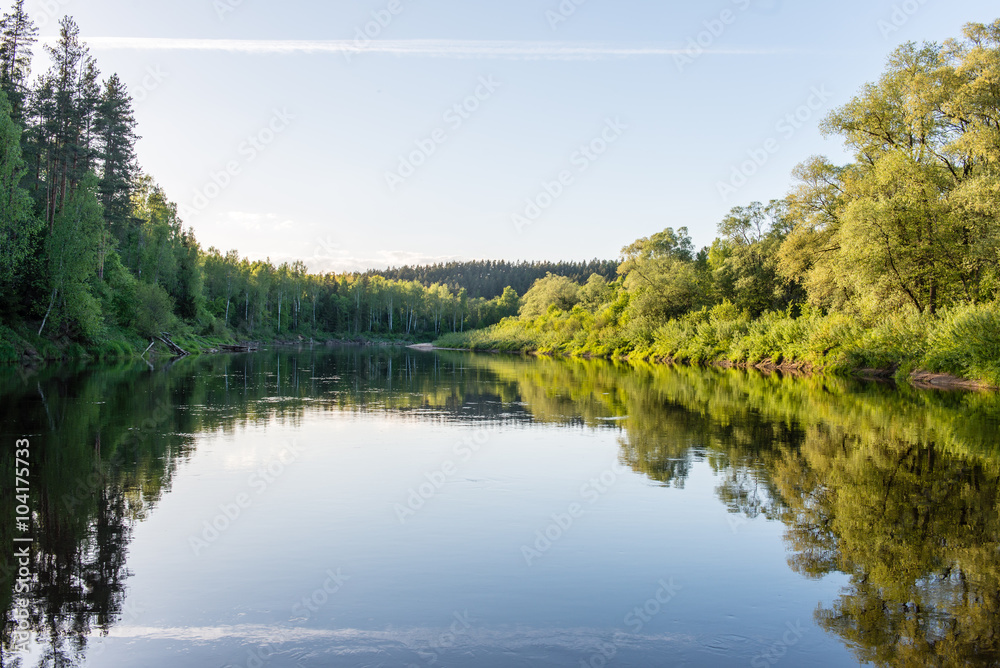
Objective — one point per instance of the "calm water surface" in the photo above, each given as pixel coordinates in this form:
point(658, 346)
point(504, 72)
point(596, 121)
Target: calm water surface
point(358, 507)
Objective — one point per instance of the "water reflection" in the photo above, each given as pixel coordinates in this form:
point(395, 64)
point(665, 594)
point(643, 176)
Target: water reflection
point(896, 488)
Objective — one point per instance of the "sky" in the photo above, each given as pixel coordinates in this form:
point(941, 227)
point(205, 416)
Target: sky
point(364, 134)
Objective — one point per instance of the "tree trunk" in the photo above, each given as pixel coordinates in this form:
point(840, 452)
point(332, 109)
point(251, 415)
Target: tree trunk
point(51, 304)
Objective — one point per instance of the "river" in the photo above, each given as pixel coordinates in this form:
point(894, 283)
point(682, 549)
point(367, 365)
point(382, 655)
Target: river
point(391, 507)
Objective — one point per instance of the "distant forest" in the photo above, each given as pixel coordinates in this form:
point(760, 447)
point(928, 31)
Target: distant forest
point(487, 278)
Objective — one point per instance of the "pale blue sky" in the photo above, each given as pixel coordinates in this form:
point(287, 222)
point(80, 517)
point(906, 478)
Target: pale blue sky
point(331, 124)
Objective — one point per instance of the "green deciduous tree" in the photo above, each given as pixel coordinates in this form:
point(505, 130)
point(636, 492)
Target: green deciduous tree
point(18, 224)
point(913, 221)
point(744, 261)
point(552, 290)
point(810, 252)
point(595, 292)
point(71, 248)
point(662, 279)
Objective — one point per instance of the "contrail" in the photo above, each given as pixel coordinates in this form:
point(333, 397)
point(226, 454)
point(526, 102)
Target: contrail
point(507, 50)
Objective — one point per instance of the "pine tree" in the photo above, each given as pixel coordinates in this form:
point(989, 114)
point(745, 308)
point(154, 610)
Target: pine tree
point(67, 105)
point(116, 138)
point(17, 35)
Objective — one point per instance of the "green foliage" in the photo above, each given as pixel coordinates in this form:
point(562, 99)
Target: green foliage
point(18, 225)
point(661, 290)
point(115, 128)
point(662, 280)
point(898, 341)
point(71, 249)
point(966, 341)
point(913, 221)
point(595, 292)
point(18, 35)
point(8, 347)
point(744, 262)
point(118, 291)
point(154, 310)
point(552, 290)
point(487, 279)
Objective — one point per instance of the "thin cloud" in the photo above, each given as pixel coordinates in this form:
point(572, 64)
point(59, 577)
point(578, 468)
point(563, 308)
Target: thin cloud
point(507, 50)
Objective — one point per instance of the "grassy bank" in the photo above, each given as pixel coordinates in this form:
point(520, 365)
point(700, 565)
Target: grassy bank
point(962, 341)
point(20, 344)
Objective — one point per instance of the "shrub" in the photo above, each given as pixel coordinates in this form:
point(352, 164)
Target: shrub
point(966, 341)
point(154, 311)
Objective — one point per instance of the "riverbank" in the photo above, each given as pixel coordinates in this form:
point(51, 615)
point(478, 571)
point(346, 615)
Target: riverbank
point(957, 348)
point(21, 345)
point(920, 379)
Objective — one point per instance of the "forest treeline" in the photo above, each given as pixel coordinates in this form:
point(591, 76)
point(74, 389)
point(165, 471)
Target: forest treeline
point(888, 262)
point(488, 278)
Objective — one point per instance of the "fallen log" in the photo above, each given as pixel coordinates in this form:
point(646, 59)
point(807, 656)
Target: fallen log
point(239, 348)
point(174, 348)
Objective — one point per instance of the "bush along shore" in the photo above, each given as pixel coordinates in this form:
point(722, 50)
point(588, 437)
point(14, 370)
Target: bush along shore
point(958, 347)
